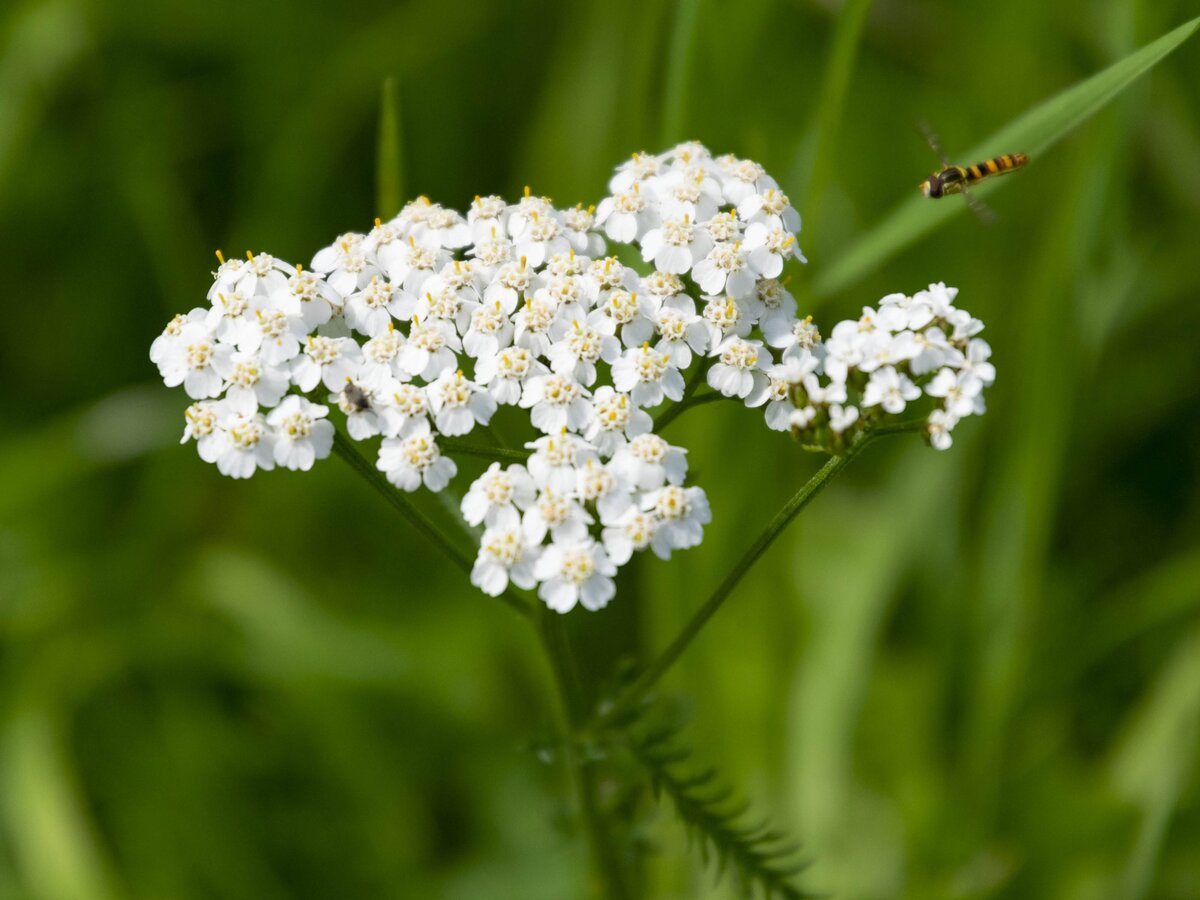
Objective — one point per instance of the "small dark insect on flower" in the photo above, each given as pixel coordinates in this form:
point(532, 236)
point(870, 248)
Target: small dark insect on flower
point(355, 397)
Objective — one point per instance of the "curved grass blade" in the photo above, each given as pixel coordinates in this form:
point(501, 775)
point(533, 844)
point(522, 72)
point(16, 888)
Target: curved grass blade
point(1033, 132)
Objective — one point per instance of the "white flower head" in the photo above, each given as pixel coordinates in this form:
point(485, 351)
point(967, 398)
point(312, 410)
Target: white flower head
point(504, 555)
point(459, 404)
point(498, 495)
point(413, 458)
point(648, 376)
point(576, 572)
point(302, 433)
point(648, 462)
point(740, 369)
point(680, 514)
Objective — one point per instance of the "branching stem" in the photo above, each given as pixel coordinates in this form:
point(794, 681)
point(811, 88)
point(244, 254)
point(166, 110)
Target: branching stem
point(418, 519)
point(636, 692)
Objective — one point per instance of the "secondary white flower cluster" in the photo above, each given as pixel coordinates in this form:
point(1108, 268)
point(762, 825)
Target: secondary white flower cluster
point(878, 364)
point(422, 328)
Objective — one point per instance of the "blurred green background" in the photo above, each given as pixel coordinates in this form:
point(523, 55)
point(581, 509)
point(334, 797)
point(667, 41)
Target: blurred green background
point(963, 675)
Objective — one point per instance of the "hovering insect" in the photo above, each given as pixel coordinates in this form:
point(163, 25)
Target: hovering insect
point(953, 179)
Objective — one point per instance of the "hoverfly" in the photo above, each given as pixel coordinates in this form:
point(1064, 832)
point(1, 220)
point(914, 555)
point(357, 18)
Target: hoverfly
point(953, 179)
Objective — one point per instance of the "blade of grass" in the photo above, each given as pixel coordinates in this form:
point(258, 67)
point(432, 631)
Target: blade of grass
point(389, 161)
point(679, 58)
point(53, 836)
point(838, 70)
point(1034, 132)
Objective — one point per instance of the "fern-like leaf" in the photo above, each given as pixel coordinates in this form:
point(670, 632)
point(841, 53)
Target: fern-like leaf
point(760, 858)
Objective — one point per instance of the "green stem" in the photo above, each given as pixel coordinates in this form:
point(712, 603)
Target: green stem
point(606, 865)
point(418, 519)
point(634, 694)
point(667, 416)
point(496, 454)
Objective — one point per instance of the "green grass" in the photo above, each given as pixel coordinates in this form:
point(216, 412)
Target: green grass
point(961, 675)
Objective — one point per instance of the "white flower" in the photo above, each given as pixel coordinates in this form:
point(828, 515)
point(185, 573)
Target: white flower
point(244, 444)
point(442, 228)
point(675, 246)
point(889, 389)
point(430, 349)
point(412, 264)
point(326, 360)
point(504, 555)
point(250, 382)
point(975, 363)
point(556, 402)
point(740, 370)
point(397, 404)
point(632, 532)
point(532, 324)
point(616, 419)
point(576, 572)
point(769, 247)
point(202, 426)
point(231, 318)
point(413, 458)
point(357, 402)
point(775, 393)
point(741, 178)
point(648, 462)
point(681, 515)
point(187, 357)
point(276, 336)
point(578, 345)
point(557, 513)
point(541, 236)
point(726, 268)
point(458, 404)
point(681, 331)
point(367, 310)
point(961, 393)
point(647, 376)
point(308, 296)
point(512, 281)
point(505, 373)
point(790, 335)
point(228, 276)
point(723, 318)
point(577, 229)
point(929, 350)
point(938, 426)
point(488, 330)
point(767, 204)
point(640, 167)
point(344, 264)
point(496, 496)
point(603, 486)
point(627, 215)
point(487, 216)
point(381, 360)
point(841, 418)
point(689, 191)
point(552, 463)
point(302, 433)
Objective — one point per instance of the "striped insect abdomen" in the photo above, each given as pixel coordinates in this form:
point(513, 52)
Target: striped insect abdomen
point(999, 165)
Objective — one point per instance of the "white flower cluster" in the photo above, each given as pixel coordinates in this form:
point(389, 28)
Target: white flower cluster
point(422, 328)
point(887, 358)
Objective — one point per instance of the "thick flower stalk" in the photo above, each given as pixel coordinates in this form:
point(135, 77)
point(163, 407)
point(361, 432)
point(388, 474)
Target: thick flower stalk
point(420, 330)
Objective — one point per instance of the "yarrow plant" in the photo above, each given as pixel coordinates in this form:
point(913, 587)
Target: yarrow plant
point(425, 331)
point(420, 329)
